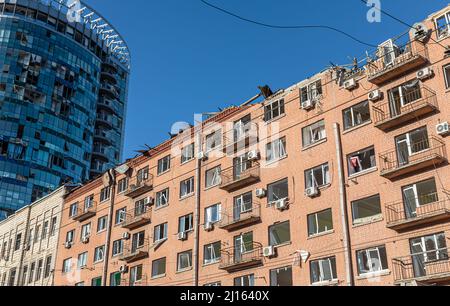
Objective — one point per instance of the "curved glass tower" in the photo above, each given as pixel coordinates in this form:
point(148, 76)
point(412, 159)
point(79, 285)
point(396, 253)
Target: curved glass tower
point(64, 74)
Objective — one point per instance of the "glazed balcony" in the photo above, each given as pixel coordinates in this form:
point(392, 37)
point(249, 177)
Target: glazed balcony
point(237, 140)
point(412, 56)
point(83, 213)
point(240, 216)
point(138, 218)
point(234, 178)
point(428, 267)
point(139, 185)
point(401, 217)
point(233, 259)
point(399, 111)
point(430, 153)
point(133, 253)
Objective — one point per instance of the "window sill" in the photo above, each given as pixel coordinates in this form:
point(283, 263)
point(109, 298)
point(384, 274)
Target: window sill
point(211, 263)
point(101, 232)
point(184, 270)
point(187, 196)
point(275, 119)
point(161, 207)
point(158, 276)
point(326, 283)
point(364, 172)
point(283, 244)
point(269, 163)
point(367, 221)
point(162, 173)
point(323, 187)
point(211, 187)
point(373, 274)
point(308, 147)
point(187, 162)
point(357, 127)
point(321, 234)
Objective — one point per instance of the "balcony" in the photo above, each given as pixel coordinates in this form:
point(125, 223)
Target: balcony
point(430, 267)
point(84, 213)
point(237, 140)
point(100, 152)
point(234, 259)
point(126, 282)
point(102, 136)
point(413, 105)
point(236, 178)
point(104, 120)
point(401, 217)
point(109, 90)
point(108, 75)
point(429, 153)
point(110, 66)
point(133, 253)
point(138, 186)
point(405, 59)
point(241, 216)
point(107, 104)
point(137, 219)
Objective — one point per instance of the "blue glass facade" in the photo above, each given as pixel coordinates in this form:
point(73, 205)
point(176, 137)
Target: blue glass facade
point(62, 102)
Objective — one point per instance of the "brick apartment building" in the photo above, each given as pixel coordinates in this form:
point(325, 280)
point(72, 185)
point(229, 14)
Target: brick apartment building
point(340, 179)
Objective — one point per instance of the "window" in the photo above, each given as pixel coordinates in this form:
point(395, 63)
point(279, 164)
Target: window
point(24, 276)
point(187, 153)
point(117, 247)
point(274, 110)
point(159, 267)
point(162, 198)
point(312, 92)
point(137, 241)
point(410, 144)
point(241, 128)
point(242, 205)
point(428, 250)
point(115, 279)
point(40, 266)
point(67, 266)
point(88, 202)
point(135, 275)
point(96, 282)
point(372, 260)
point(211, 253)
point(82, 260)
point(12, 277)
point(140, 207)
point(160, 232)
point(53, 226)
point(442, 25)
point(320, 222)
point(36, 235)
point(212, 214)
point(245, 281)
point(99, 254)
point(417, 195)
point(186, 187)
point(213, 177)
point(48, 266)
point(365, 209)
point(73, 210)
point(402, 96)
point(242, 244)
point(356, 115)
point(323, 270)
point(361, 161)
point(277, 191)
point(214, 284)
point(18, 241)
point(313, 133)
point(185, 223)
point(85, 231)
point(122, 185)
point(447, 76)
point(70, 236)
point(184, 261)
point(318, 176)
point(281, 277)
point(214, 140)
point(143, 175)
point(279, 234)
point(276, 150)
point(44, 230)
point(164, 164)
point(121, 215)
point(101, 224)
point(105, 194)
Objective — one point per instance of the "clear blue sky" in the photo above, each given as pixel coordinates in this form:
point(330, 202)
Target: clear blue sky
point(188, 58)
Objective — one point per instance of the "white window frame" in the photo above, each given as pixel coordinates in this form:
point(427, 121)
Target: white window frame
point(276, 150)
point(188, 191)
point(209, 214)
point(325, 175)
point(216, 177)
point(371, 264)
point(213, 257)
point(99, 254)
point(321, 262)
point(160, 228)
point(187, 153)
point(316, 129)
point(164, 164)
point(82, 260)
point(188, 257)
point(162, 198)
point(269, 109)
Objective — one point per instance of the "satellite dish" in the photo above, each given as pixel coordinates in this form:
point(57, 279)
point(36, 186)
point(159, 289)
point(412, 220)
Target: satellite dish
point(419, 32)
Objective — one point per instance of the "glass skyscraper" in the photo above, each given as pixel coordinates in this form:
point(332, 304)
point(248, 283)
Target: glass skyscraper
point(64, 74)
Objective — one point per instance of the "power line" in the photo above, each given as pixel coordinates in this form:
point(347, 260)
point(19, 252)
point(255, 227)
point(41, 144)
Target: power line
point(273, 26)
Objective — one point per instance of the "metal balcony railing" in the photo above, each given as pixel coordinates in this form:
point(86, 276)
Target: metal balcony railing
point(239, 176)
point(402, 215)
point(241, 257)
point(139, 185)
point(132, 251)
point(85, 212)
point(240, 215)
point(138, 218)
point(410, 106)
point(429, 266)
point(428, 152)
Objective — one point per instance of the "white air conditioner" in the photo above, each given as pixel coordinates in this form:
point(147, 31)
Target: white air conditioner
point(443, 128)
point(281, 204)
point(202, 156)
point(68, 245)
point(307, 105)
point(350, 84)
point(253, 155)
point(375, 95)
point(312, 192)
point(182, 236)
point(424, 73)
point(260, 193)
point(123, 269)
point(85, 239)
point(269, 251)
point(209, 226)
point(126, 236)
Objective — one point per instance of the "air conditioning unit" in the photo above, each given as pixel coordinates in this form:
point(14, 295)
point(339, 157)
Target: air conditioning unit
point(312, 192)
point(443, 128)
point(260, 193)
point(123, 269)
point(350, 84)
point(202, 156)
point(149, 201)
point(182, 236)
point(85, 239)
point(375, 95)
point(307, 105)
point(281, 204)
point(126, 236)
point(253, 155)
point(425, 73)
point(68, 245)
point(269, 251)
point(209, 226)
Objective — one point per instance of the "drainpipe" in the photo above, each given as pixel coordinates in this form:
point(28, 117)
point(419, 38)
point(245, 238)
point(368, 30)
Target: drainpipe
point(195, 254)
point(343, 208)
point(112, 184)
point(22, 253)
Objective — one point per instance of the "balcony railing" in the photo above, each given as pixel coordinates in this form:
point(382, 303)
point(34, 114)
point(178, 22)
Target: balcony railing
point(410, 106)
point(235, 258)
point(237, 140)
point(235, 178)
point(109, 89)
point(126, 282)
point(401, 216)
point(411, 56)
point(240, 215)
point(133, 253)
point(85, 212)
point(429, 152)
point(137, 218)
point(427, 267)
point(139, 185)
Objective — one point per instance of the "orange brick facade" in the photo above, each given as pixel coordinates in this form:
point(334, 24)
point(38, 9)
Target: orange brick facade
point(380, 244)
